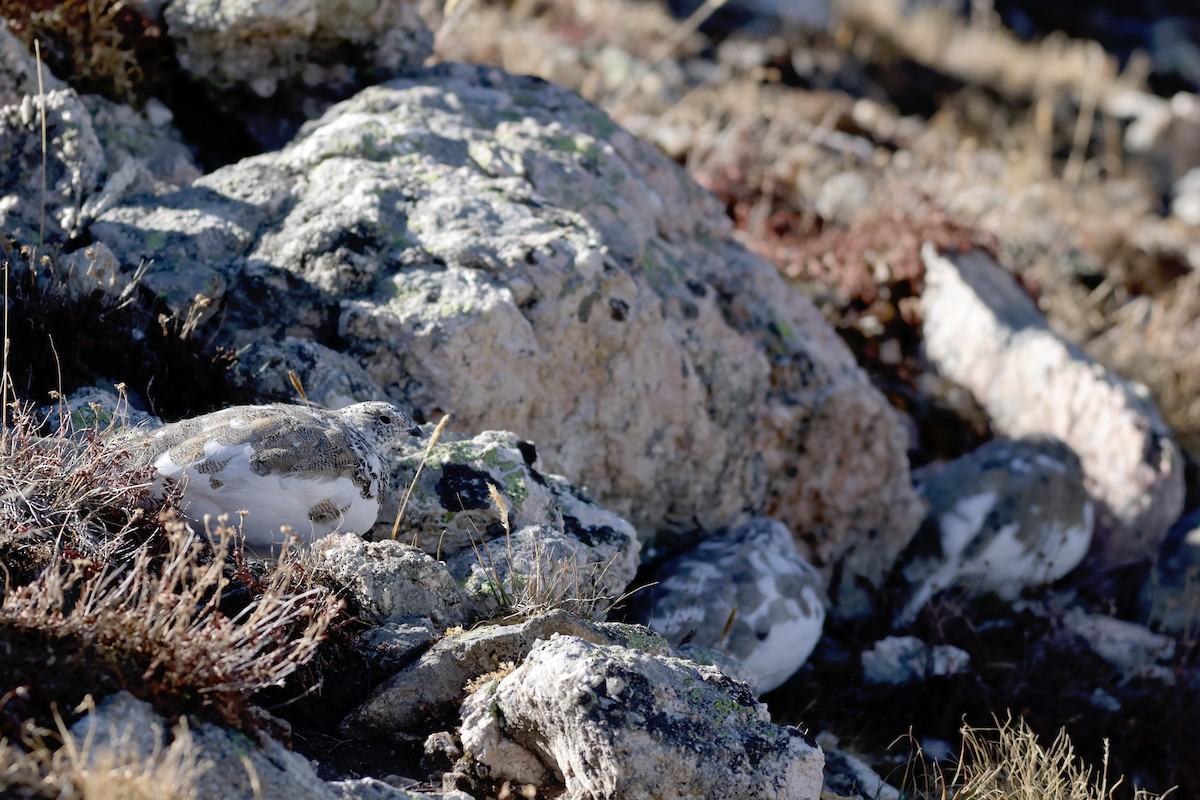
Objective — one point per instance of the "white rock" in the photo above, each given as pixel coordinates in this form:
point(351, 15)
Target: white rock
point(983, 332)
point(612, 722)
point(392, 582)
point(1130, 647)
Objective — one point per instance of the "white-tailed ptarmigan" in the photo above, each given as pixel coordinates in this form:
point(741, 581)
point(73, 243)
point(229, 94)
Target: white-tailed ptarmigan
point(312, 470)
point(1010, 515)
point(748, 593)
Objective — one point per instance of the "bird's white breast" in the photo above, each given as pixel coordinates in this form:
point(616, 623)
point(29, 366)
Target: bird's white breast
point(222, 482)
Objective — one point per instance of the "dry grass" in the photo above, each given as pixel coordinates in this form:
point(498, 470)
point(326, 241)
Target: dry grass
point(1008, 762)
point(76, 494)
point(157, 622)
point(552, 575)
point(1156, 340)
point(434, 438)
point(102, 581)
point(480, 681)
point(67, 768)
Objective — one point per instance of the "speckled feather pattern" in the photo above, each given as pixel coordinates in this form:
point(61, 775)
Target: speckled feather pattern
point(749, 594)
point(313, 470)
point(1009, 516)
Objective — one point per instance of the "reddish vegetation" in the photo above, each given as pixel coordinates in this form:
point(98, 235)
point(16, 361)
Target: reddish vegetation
point(105, 46)
point(869, 277)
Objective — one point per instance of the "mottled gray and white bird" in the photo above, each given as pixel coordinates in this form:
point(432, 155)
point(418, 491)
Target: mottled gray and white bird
point(1010, 515)
point(312, 470)
point(748, 593)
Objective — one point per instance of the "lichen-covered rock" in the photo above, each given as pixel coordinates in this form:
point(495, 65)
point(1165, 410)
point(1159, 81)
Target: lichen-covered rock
point(329, 378)
point(611, 722)
point(544, 544)
point(848, 777)
point(74, 166)
point(143, 151)
point(748, 593)
point(495, 247)
point(391, 645)
point(539, 566)
point(983, 332)
point(125, 737)
point(221, 762)
point(99, 407)
point(451, 507)
point(431, 688)
point(95, 270)
point(1008, 516)
point(389, 581)
point(97, 152)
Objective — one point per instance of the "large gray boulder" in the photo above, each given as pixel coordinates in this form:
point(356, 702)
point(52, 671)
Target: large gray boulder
point(430, 689)
point(214, 761)
point(495, 247)
point(611, 722)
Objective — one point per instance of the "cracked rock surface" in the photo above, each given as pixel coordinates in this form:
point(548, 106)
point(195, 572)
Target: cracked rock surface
point(495, 247)
point(608, 721)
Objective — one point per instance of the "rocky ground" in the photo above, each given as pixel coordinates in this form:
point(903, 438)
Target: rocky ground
point(920, 291)
point(838, 156)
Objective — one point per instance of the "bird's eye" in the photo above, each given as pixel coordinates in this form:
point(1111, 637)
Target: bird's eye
point(385, 419)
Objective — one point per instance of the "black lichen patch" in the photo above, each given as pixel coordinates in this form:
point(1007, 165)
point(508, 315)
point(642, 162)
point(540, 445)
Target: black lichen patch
point(528, 452)
point(463, 488)
point(591, 535)
point(744, 746)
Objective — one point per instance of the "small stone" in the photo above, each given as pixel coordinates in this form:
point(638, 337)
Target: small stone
point(902, 659)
